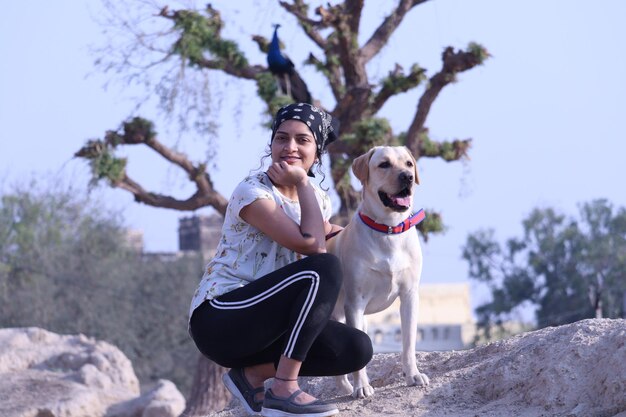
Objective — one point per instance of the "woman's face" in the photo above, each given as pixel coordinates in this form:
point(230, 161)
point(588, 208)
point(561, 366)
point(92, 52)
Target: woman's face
point(294, 143)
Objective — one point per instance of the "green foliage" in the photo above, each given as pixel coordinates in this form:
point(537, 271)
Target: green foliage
point(268, 91)
point(138, 130)
point(479, 51)
point(334, 60)
point(447, 150)
point(107, 166)
point(398, 83)
point(319, 66)
point(65, 267)
point(101, 154)
point(368, 133)
point(567, 269)
point(266, 86)
point(199, 34)
point(277, 102)
point(432, 224)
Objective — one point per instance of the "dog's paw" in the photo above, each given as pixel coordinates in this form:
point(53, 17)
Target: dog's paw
point(344, 387)
point(363, 392)
point(418, 379)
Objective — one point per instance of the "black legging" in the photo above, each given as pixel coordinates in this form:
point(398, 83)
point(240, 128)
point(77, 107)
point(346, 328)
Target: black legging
point(283, 313)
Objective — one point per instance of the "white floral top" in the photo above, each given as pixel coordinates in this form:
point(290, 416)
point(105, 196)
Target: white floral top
point(244, 253)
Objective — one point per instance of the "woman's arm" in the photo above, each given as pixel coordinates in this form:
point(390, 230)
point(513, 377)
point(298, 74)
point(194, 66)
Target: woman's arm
point(308, 238)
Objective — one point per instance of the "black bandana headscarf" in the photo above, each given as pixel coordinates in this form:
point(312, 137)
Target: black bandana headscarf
point(324, 127)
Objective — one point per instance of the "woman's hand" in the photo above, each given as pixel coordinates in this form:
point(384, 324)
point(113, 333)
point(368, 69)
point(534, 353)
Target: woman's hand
point(283, 174)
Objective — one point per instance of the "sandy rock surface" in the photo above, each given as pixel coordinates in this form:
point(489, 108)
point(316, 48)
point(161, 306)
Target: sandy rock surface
point(574, 370)
point(43, 374)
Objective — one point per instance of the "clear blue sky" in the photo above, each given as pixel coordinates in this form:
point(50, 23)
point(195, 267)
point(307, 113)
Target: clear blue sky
point(546, 112)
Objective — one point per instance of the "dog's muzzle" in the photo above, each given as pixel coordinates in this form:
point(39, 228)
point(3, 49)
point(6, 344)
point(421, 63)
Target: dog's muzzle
point(400, 201)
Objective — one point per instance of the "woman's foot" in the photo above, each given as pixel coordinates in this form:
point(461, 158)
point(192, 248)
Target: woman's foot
point(277, 406)
point(285, 388)
point(250, 396)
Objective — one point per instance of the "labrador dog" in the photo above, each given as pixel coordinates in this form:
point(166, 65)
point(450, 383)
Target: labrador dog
point(381, 255)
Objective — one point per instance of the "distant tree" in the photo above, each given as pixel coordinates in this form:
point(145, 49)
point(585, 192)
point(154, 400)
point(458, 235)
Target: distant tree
point(567, 269)
point(65, 267)
point(47, 239)
point(189, 45)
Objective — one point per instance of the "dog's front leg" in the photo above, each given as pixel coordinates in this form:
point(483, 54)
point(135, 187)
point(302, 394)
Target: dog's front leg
point(409, 306)
point(355, 317)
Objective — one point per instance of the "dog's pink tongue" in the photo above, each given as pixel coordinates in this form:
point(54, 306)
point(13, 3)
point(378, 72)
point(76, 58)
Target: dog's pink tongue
point(402, 201)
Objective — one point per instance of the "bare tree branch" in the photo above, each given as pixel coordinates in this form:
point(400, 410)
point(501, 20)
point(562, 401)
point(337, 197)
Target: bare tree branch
point(353, 9)
point(381, 35)
point(140, 131)
point(332, 73)
point(247, 72)
point(396, 83)
point(198, 200)
point(309, 26)
point(453, 63)
point(348, 50)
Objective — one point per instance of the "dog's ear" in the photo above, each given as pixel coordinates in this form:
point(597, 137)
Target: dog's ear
point(415, 174)
point(360, 166)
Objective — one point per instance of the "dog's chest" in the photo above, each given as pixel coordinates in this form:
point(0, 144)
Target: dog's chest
point(389, 266)
point(383, 282)
point(389, 269)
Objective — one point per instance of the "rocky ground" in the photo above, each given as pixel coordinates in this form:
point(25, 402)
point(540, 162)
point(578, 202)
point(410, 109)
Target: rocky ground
point(43, 374)
point(576, 370)
point(573, 370)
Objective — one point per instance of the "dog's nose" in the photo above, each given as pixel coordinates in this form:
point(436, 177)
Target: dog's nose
point(406, 178)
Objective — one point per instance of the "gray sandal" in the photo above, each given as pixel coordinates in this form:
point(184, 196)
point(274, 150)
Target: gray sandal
point(238, 385)
point(274, 406)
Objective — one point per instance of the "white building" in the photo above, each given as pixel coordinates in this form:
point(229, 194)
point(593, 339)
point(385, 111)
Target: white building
point(444, 323)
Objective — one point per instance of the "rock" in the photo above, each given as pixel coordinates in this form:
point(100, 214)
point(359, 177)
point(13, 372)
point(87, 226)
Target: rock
point(163, 401)
point(573, 370)
point(43, 374)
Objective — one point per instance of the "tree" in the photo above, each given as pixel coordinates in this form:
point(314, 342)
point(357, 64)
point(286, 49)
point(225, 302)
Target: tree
point(195, 42)
point(567, 269)
point(65, 267)
point(191, 42)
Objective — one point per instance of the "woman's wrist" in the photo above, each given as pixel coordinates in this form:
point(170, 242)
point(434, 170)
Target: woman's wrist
point(304, 182)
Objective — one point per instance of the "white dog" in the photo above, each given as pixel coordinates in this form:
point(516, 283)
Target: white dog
point(381, 255)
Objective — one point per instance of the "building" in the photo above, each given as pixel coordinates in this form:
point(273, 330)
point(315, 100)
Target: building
point(200, 234)
point(445, 320)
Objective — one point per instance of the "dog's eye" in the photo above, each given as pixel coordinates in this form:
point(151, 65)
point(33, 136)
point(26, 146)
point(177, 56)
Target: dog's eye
point(409, 164)
point(385, 164)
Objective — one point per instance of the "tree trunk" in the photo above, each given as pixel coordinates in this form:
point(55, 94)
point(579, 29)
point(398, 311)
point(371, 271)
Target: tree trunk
point(599, 291)
point(208, 393)
point(599, 309)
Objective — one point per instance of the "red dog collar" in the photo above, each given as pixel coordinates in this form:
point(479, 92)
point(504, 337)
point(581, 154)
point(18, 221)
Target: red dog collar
point(412, 220)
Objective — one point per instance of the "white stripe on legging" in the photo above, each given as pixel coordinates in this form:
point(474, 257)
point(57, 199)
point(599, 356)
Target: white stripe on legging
point(306, 307)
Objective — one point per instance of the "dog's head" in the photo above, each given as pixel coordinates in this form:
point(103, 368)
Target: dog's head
point(388, 174)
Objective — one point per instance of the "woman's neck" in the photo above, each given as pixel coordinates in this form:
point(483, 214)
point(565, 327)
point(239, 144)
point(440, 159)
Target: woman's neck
point(289, 192)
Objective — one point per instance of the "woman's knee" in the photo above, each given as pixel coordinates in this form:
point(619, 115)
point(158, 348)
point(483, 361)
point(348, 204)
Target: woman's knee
point(328, 267)
point(362, 349)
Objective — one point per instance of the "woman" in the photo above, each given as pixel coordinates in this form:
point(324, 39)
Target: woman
point(264, 302)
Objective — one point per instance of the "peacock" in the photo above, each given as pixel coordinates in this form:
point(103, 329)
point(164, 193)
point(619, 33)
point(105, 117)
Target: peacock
point(289, 80)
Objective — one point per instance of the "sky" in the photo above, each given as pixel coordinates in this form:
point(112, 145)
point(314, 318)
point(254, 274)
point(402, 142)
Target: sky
point(545, 112)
